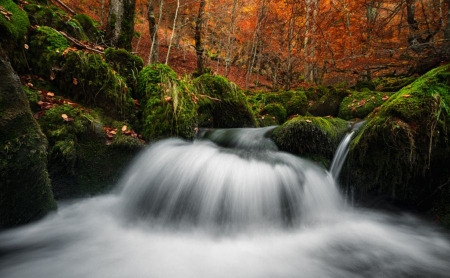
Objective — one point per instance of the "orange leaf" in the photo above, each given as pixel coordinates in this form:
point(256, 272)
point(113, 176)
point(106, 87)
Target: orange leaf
point(64, 116)
point(50, 94)
point(385, 98)
point(407, 95)
point(124, 128)
point(75, 81)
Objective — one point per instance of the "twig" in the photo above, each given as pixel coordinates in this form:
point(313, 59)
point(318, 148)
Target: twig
point(66, 7)
point(80, 44)
point(211, 98)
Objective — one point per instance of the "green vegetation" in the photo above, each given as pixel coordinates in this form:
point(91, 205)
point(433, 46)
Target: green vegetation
point(86, 77)
point(81, 162)
point(314, 137)
point(360, 104)
point(46, 48)
point(13, 30)
point(126, 64)
point(222, 104)
point(25, 193)
point(329, 103)
point(403, 149)
point(169, 104)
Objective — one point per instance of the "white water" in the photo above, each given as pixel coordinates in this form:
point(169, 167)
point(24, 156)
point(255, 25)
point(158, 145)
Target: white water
point(200, 210)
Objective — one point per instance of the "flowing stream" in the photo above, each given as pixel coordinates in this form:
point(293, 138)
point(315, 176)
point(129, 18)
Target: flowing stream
point(226, 205)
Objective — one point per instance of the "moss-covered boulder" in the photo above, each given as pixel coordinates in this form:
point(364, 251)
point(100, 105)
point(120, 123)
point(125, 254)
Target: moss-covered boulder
point(222, 104)
point(273, 114)
point(393, 84)
point(82, 161)
point(316, 138)
point(13, 29)
point(90, 28)
point(360, 104)
point(80, 26)
point(126, 64)
point(328, 104)
point(88, 78)
point(403, 151)
point(45, 55)
point(275, 107)
point(169, 105)
point(25, 192)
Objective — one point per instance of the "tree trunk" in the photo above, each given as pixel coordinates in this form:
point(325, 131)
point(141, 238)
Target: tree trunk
point(231, 34)
point(198, 37)
point(153, 56)
point(174, 27)
point(120, 27)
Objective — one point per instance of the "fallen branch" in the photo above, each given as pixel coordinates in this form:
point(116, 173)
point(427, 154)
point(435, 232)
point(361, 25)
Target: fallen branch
point(211, 98)
point(66, 7)
point(80, 44)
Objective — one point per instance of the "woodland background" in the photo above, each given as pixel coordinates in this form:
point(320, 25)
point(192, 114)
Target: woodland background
point(283, 44)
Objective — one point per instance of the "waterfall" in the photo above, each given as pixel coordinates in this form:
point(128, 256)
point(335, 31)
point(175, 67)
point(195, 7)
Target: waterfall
point(227, 204)
point(342, 151)
point(243, 182)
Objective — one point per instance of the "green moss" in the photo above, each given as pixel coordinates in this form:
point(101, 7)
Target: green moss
point(45, 53)
point(86, 77)
point(169, 104)
point(13, 33)
point(328, 104)
point(274, 112)
point(403, 148)
point(393, 84)
point(89, 26)
point(81, 163)
point(221, 104)
point(25, 193)
point(312, 137)
point(43, 15)
point(360, 104)
point(126, 64)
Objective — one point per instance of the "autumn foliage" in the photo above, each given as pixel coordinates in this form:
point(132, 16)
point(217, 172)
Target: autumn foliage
point(290, 43)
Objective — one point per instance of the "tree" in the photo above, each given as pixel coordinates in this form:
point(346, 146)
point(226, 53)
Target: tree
point(120, 26)
point(198, 37)
point(153, 27)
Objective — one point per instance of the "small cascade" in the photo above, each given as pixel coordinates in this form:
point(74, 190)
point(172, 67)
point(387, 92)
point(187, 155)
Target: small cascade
point(223, 206)
point(342, 151)
point(243, 181)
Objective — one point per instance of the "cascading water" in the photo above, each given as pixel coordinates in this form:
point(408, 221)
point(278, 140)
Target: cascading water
point(226, 205)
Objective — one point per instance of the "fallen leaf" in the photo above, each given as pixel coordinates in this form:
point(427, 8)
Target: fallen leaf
point(50, 94)
point(75, 81)
point(113, 132)
point(26, 46)
point(168, 99)
point(65, 117)
point(407, 95)
point(308, 121)
point(124, 128)
point(385, 98)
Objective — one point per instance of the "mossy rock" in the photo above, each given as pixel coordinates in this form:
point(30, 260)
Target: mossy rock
point(13, 33)
point(126, 64)
point(293, 103)
point(273, 114)
point(358, 105)
point(54, 17)
point(81, 163)
point(169, 104)
point(316, 138)
point(393, 84)
point(25, 191)
point(222, 104)
point(363, 85)
point(45, 53)
point(90, 27)
point(328, 105)
point(403, 151)
point(87, 78)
